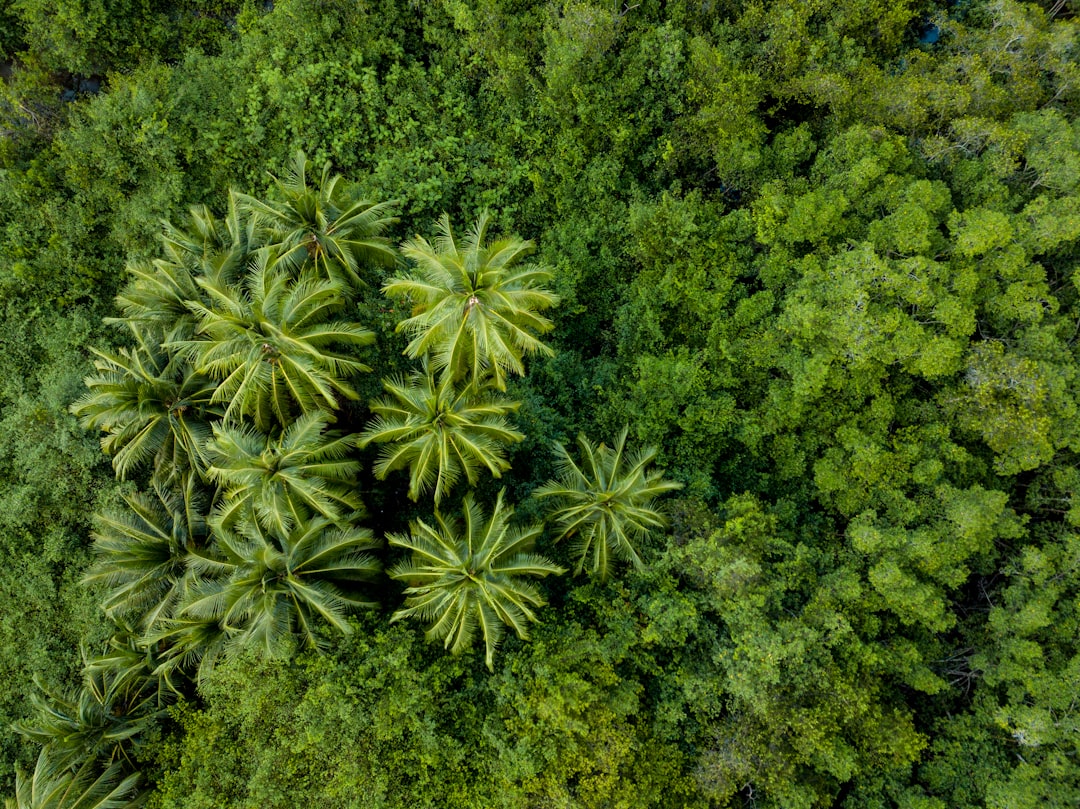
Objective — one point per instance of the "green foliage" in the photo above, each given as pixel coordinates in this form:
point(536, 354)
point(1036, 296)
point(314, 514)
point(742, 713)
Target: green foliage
point(465, 576)
point(475, 312)
point(822, 257)
point(440, 432)
point(607, 502)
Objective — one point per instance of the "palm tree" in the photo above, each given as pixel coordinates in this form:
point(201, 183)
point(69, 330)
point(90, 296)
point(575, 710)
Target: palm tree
point(439, 432)
point(327, 224)
point(270, 344)
point(54, 786)
point(133, 662)
point(476, 311)
point(462, 577)
point(103, 720)
point(285, 479)
point(156, 299)
point(264, 589)
point(142, 552)
point(607, 503)
point(153, 409)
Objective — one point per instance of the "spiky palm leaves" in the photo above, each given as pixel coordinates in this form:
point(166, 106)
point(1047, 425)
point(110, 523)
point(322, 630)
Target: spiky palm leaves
point(325, 225)
point(53, 786)
point(153, 409)
point(464, 577)
point(265, 588)
point(157, 296)
point(476, 310)
point(102, 721)
point(607, 502)
point(286, 479)
point(440, 432)
point(142, 552)
point(272, 345)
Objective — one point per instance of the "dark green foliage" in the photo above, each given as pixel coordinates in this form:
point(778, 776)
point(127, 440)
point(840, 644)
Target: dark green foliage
point(822, 257)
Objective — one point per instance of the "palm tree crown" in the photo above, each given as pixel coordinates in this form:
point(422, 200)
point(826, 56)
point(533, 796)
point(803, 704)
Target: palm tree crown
point(270, 344)
point(439, 432)
point(157, 296)
point(326, 225)
point(476, 311)
point(103, 720)
point(464, 577)
point(142, 552)
point(55, 786)
point(153, 408)
point(285, 479)
point(264, 588)
point(607, 502)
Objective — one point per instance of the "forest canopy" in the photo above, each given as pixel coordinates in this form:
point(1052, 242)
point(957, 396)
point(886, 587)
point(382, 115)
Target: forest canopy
point(519, 404)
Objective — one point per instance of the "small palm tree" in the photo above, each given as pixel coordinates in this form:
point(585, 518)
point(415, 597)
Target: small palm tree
point(283, 480)
point(142, 552)
point(157, 296)
point(326, 225)
point(264, 589)
point(607, 502)
point(91, 786)
point(153, 409)
point(103, 720)
point(439, 432)
point(475, 310)
point(464, 577)
point(271, 344)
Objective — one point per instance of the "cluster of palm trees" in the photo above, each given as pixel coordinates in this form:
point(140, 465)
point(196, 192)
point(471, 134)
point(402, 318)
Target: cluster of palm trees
point(247, 531)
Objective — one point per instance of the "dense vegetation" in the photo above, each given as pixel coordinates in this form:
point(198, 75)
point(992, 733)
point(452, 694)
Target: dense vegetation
point(649, 404)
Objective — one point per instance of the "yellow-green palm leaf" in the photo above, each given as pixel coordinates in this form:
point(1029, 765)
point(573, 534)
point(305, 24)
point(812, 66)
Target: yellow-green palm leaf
point(439, 432)
point(326, 226)
point(607, 503)
point(274, 345)
point(154, 410)
point(285, 479)
point(467, 575)
point(476, 308)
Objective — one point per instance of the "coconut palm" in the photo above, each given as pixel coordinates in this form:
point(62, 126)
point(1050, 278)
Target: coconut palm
point(464, 576)
point(103, 720)
point(142, 552)
point(91, 786)
point(152, 407)
point(327, 224)
point(287, 478)
point(476, 310)
point(607, 503)
point(439, 432)
point(157, 296)
point(265, 589)
point(132, 661)
point(271, 344)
